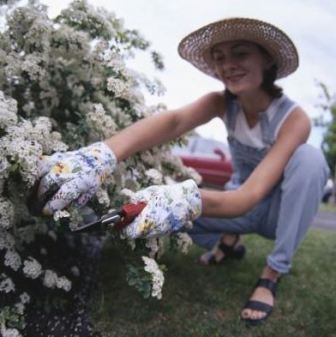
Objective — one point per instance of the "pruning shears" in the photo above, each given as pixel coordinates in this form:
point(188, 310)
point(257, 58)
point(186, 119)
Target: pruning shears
point(115, 219)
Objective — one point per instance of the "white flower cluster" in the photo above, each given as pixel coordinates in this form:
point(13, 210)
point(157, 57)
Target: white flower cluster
point(101, 123)
point(184, 171)
point(152, 244)
point(136, 97)
point(25, 298)
point(23, 145)
point(32, 268)
point(12, 259)
point(156, 246)
point(63, 283)
point(72, 43)
point(8, 108)
point(116, 62)
point(21, 305)
point(7, 240)
point(39, 29)
point(51, 141)
point(155, 176)
point(31, 66)
point(12, 69)
point(6, 284)
point(6, 213)
point(184, 242)
point(103, 197)
point(21, 150)
point(152, 268)
point(9, 332)
point(127, 193)
point(61, 214)
point(52, 280)
point(119, 87)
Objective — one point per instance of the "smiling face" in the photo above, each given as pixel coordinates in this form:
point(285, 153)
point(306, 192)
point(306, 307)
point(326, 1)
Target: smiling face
point(240, 65)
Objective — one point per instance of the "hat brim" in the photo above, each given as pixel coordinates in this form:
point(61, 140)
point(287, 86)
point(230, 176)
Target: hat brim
point(196, 47)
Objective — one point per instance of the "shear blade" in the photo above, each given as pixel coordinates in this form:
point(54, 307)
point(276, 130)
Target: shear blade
point(91, 222)
point(89, 219)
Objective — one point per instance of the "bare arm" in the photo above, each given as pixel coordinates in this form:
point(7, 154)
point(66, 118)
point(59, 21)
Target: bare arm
point(294, 132)
point(166, 126)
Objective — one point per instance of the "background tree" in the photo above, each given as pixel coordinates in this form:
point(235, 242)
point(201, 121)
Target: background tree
point(329, 122)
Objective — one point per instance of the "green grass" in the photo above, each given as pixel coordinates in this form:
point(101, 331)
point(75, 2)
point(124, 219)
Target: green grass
point(331, 207)
point(203, 301)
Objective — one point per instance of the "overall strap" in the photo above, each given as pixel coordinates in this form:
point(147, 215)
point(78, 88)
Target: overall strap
point(278, 110)
point(232, 109)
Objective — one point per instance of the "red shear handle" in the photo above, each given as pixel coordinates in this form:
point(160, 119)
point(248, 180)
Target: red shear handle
point(129, 213)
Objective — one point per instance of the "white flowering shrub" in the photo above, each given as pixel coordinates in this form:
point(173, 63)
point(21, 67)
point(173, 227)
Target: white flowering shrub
point(64, 83)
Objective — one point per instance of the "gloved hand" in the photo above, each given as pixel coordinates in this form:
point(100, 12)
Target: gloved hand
point(168, 209)
point(75, 175)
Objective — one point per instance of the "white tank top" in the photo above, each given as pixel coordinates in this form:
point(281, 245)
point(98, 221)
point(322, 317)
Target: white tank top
point(253, 136)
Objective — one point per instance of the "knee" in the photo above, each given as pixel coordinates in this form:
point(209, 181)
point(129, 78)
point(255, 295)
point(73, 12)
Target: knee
point(310, 163)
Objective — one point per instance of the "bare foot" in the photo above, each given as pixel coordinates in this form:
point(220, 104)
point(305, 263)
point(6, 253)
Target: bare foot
point(261, 294)
point(217, 254)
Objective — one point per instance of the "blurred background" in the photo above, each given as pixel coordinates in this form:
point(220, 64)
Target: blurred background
point(308, 23)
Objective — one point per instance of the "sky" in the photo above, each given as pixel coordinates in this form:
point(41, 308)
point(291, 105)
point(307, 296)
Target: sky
point(311, 24)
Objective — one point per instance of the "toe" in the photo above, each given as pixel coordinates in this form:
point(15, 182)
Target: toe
point(205, 259)
point(246, 313)
point(258, 315)
point(252, 314)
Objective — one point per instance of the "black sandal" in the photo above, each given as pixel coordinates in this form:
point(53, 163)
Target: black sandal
point(261, 306)
point(229, 251)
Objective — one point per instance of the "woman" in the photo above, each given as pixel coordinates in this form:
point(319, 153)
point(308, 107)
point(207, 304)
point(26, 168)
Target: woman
point(278, 181)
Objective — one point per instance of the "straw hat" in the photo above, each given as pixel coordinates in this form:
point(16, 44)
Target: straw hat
point(196, 47)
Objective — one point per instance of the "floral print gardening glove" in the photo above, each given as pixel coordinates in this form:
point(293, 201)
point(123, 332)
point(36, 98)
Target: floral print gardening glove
point(168, 209)
point(74, 175)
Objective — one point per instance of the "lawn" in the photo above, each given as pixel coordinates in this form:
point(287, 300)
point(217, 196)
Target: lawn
point(330, 207)
point(203, 301)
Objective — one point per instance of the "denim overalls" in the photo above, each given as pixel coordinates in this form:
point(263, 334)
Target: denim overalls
point(286, 213)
